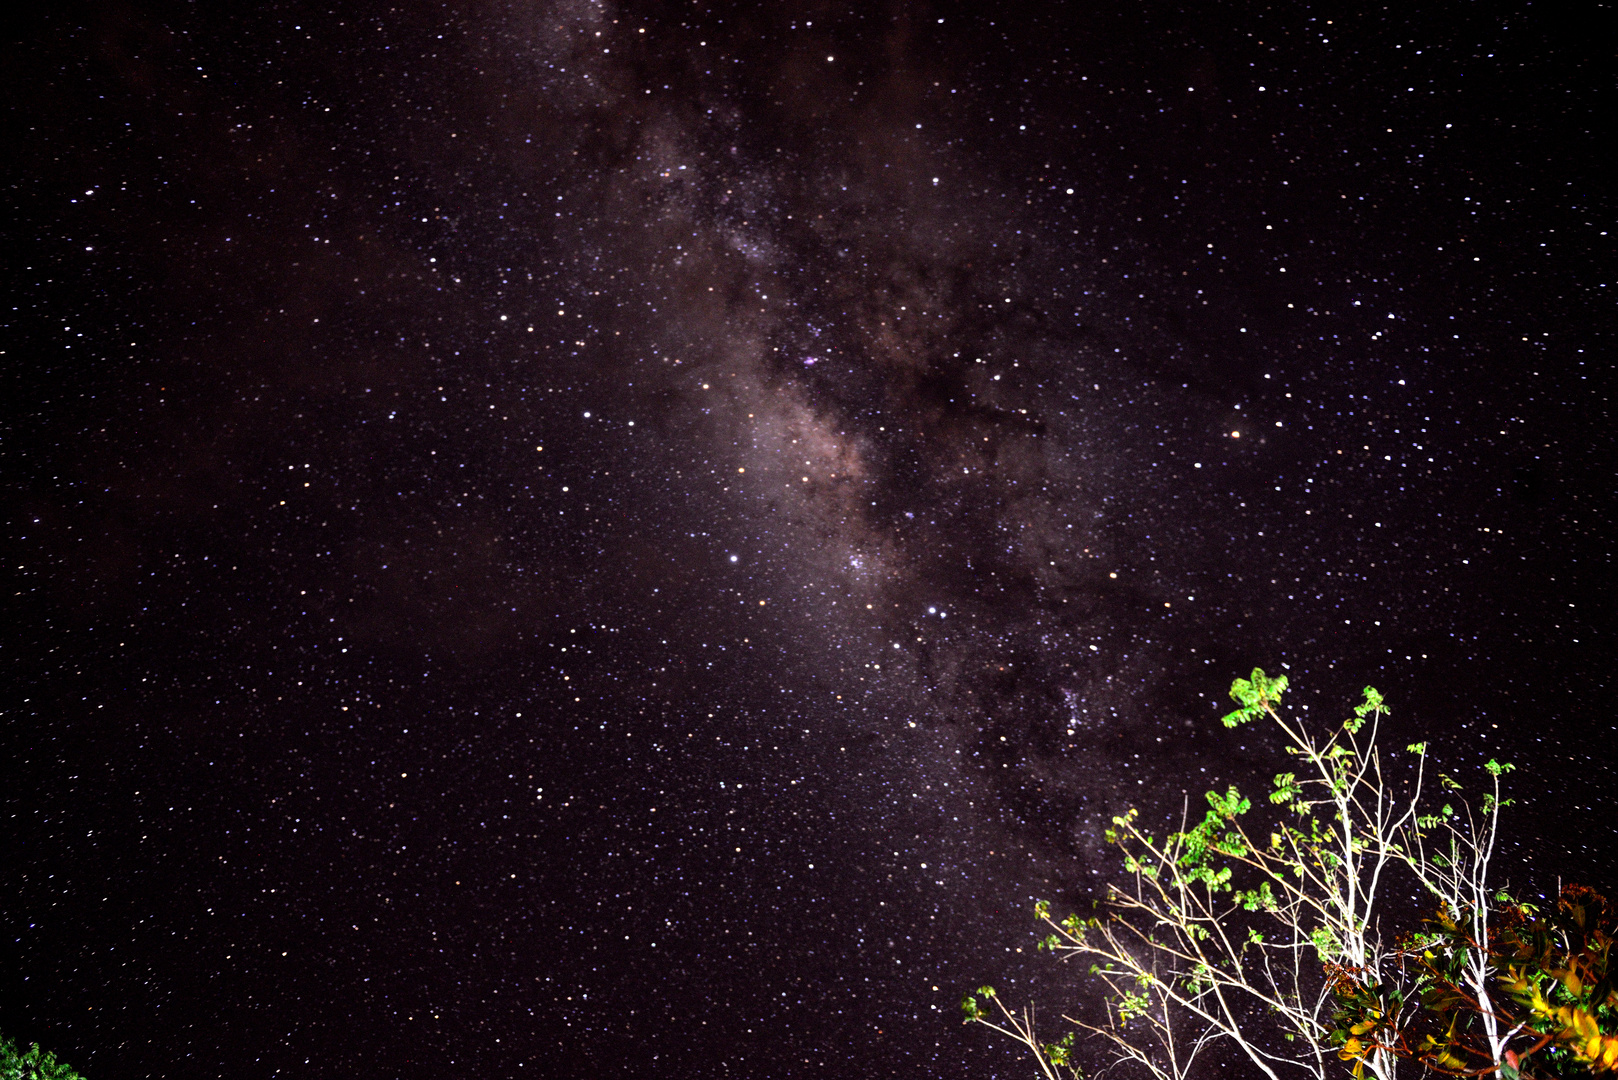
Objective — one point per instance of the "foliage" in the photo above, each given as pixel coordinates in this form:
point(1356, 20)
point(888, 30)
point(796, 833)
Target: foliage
point(1220, 931)
point(1055, 1059)
point(1266, 935)
point(1554, 1005)
point(32, 1064)
point(1556, 968)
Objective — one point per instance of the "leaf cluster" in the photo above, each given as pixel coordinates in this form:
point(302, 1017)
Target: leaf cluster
point(31, 1064)
point(1553, 993)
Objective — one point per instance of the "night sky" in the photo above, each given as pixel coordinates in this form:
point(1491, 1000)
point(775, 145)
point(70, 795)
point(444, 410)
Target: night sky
point(589, 540)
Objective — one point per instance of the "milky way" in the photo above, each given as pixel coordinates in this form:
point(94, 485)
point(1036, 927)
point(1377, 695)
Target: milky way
point(598, 540)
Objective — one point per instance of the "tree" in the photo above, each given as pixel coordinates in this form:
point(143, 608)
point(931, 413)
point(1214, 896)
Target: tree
point(32, 1064)
point(1505, 988)
point(1268, 939)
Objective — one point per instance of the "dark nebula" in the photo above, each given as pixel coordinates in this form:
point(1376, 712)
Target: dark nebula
point(585, 539)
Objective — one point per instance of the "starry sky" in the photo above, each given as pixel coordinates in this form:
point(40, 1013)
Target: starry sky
point(595, 539)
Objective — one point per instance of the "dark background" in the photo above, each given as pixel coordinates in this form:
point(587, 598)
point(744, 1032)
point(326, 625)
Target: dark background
point(939, 404)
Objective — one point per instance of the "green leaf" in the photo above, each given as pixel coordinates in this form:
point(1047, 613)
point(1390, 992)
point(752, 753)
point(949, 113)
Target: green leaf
point(1259, 899)
point(1325, 943)
point(1372, 704)
point(1060, 1052)
point(1255, 695)
point(32, 1064)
